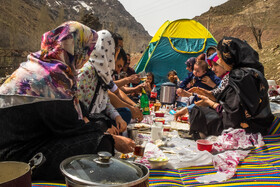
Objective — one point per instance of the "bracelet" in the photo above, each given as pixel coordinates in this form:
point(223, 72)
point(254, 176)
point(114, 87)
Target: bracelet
point(212, 106)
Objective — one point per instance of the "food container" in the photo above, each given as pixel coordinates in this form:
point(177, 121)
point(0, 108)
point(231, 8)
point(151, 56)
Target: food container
point(184, 119)
point(103, 170)
point(159, 114)
point(203, 145)
point(166, 127)
point(158, 163)
point(15, 174)
point(168, 93)
point(162, 120)
point(132, 132)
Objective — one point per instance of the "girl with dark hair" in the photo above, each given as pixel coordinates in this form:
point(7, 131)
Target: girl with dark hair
point(149, 83)
point(172, 77)
point(242, 102)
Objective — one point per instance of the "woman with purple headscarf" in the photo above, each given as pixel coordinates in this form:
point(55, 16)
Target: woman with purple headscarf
point(39, 110)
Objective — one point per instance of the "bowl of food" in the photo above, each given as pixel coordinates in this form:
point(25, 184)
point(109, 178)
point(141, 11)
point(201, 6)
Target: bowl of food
point(162, 120)
point(159, 114)
point(158, 162)
point(184, 119)
point(204, 145)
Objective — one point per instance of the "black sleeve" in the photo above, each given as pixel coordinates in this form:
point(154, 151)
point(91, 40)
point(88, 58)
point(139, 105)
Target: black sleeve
point(233, 113)
point(84, 109)
point(62, 119)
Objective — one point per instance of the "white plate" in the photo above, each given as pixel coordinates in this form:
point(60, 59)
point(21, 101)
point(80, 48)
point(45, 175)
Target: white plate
point(180, 126)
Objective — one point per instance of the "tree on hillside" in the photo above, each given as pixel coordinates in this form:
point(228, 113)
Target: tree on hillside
point(91, 21)
point(257, 22)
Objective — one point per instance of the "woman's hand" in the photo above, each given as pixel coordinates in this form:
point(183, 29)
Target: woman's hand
point(208, 81)
point(123, 144)
point(203, 92)
point(205, 101)
point(180, 113)
point(113, 130)
point(177, 78)
point(85, 119)
point(183, 93)
point(121, 124)
point(134, 79)
point(147, 87)
point(136, 114)
point(138, 88)
point(198, 90)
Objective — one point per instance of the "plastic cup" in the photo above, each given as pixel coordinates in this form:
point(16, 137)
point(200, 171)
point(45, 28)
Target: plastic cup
point(157, 106)
point(140, 147)
point(203, 145)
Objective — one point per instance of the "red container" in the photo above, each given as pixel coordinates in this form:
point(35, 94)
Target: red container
point(159, 114)
point(166, 127)
point(203, 145)
point(184, 119)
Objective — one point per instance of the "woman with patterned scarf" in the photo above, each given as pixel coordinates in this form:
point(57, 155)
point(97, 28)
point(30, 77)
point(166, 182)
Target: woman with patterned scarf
point(241, 102)
point(39, 111)
point(94, 81)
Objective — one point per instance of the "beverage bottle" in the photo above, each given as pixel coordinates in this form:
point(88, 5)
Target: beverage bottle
point(153, 94)
point(144, 102)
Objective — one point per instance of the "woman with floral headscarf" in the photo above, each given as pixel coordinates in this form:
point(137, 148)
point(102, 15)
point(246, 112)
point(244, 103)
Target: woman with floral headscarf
point(39, 111)
point(242, 102)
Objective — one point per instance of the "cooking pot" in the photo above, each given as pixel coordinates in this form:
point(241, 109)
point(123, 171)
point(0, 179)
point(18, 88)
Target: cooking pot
point(103, 170)
point(168, 93)
point(18, 174)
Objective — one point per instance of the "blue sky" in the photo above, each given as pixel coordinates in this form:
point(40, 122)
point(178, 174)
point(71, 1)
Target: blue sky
point(153, 13)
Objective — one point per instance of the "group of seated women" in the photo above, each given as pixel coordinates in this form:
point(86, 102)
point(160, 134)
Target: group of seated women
point(57, 101)
point(239, 101)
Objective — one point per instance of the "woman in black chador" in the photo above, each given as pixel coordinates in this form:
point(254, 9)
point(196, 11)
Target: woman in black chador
point(240, 101)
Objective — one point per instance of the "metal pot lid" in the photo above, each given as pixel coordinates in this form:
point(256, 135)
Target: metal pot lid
point(100, 169)
point(168, 84)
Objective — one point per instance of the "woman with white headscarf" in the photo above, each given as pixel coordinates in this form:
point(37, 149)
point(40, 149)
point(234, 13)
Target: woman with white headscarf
point(95, 78)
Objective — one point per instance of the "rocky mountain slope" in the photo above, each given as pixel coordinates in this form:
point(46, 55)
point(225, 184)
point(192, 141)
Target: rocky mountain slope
point(22, 23)
point(232, 19)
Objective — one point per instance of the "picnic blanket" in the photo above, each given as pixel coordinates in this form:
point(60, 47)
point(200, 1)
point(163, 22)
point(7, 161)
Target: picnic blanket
point(260, 168)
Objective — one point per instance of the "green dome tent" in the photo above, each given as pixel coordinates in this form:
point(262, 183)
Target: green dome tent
point(174, 43)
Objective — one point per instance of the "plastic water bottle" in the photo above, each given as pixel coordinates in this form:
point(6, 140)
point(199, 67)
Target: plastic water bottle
point(144, 102)
point(153, 94)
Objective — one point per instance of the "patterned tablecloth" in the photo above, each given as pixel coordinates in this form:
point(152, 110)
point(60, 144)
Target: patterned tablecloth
point(260, 168)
